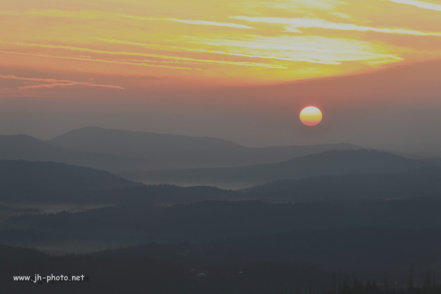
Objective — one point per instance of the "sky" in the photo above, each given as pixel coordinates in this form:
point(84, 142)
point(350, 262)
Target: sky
point(238, 69)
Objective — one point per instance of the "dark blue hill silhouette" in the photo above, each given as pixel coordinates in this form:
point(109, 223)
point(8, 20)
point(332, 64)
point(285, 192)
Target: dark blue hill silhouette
point(24, 147)
point(44, 182)
point(420, 182)
point(326, 163)
point(128, 153)
point(49, 182)
point(28, 181)
point(159, 151)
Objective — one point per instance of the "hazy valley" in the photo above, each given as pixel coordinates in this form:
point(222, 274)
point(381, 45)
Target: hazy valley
point(339, 208)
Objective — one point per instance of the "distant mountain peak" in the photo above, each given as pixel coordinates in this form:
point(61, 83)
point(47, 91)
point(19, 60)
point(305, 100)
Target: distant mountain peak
point(82, 133)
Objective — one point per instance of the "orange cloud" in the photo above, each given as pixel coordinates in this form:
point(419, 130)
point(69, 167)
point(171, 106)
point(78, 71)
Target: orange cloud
point(47, 83)
point(223, 41)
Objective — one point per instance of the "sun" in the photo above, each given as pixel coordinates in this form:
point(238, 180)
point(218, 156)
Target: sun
point(311, 116)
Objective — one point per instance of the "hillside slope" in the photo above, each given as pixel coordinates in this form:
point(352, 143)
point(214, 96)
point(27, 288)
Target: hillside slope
point(326, 163)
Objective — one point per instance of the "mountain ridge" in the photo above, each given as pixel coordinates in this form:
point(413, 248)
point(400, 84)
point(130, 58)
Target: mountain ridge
point(170, 151)
point(324, 163)
point(43, 181)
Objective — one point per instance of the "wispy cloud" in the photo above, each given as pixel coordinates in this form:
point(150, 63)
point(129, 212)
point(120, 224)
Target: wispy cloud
point(146, 54)
point(142, 63)
point(57, 13)
point(294, 24)
point(209, 23)
point(240, 40)
point(295, 49)
point(92, 14)
point(48, 83)
point(303, 4)
point(419, 4)
point(310, 49)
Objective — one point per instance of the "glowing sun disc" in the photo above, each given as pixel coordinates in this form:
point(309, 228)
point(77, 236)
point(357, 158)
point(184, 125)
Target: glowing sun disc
point(311, 116)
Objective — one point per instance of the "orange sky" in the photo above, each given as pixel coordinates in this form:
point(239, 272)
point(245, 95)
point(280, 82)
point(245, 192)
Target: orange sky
point(114, 45)
point(233, 69)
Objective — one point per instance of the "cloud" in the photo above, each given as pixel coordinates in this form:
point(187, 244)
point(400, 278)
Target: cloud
point(209, 23)
point(142, 63)
point(242, 40)
point(320, 50)
point(48, 83)
point(304, 4)
point(99, 15)
point(165, 58)
point(187, 21)
point(57, 13)
point(293, 25)
point(419, 4)
point(310, 49)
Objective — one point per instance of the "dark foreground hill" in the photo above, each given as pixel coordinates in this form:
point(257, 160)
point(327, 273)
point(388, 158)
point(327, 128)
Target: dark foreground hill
point(135, 223)
point(326, 163)
point(153, 269)
point(231, 267)
point(374, 239)
point(361, 223)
